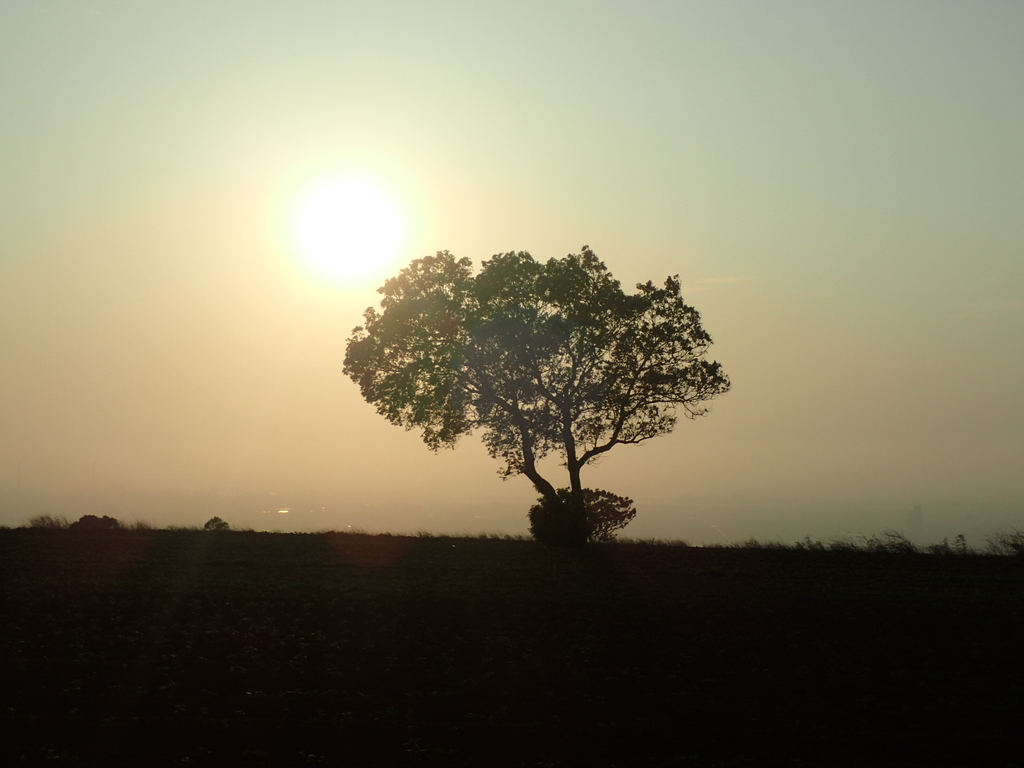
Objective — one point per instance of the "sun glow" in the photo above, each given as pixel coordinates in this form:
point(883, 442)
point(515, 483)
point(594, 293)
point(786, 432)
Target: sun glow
point(348, 231)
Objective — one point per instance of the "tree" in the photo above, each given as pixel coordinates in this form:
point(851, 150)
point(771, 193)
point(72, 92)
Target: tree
point(216, 524)
point(544, 358)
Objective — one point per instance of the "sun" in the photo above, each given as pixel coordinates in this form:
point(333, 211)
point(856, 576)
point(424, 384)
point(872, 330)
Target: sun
point(347, 231)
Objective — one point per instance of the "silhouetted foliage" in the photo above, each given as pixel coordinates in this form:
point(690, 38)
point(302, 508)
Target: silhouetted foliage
point(560, 521)
point(1007, 543)
point(48, 521)
point(891, 541)
point(93, 523)
point(946, 547)
point(544, 358)
point(216, 524)
point(603, 514)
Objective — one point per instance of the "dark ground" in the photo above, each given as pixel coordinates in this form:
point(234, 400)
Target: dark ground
point(239, 648)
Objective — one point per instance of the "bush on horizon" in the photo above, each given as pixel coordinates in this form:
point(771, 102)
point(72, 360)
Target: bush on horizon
point(604, 513)
point(93, 523)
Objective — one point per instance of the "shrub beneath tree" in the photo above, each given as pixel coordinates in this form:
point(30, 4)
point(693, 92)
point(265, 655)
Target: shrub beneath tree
point(558, 524)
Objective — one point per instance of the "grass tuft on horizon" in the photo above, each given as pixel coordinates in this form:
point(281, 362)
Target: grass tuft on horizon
point(1005, 543)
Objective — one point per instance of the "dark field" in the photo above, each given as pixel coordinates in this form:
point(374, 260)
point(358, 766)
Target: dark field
point(240, 648)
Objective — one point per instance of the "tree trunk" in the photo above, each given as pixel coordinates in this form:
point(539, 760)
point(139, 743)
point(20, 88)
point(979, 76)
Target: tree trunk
point(575, 509)
point(547, 490)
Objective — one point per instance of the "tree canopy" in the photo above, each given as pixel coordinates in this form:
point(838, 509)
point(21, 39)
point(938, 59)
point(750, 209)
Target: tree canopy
point(551, 358)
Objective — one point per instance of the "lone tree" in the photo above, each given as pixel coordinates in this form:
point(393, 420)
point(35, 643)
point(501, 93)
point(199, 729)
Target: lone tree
point(544, 358)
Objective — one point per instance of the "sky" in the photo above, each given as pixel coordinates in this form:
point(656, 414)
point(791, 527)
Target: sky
point(838, 186)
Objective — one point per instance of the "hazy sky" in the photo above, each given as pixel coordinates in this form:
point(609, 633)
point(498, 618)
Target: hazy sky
point(838, 185)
